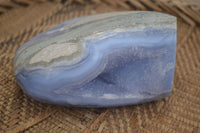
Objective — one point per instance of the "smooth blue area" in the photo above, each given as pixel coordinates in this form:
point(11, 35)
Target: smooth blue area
point(128, 68)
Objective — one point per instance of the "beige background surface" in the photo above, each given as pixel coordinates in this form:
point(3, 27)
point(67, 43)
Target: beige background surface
point(20, 20)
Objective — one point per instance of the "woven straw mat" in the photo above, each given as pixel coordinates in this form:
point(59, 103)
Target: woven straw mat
point(20, 20)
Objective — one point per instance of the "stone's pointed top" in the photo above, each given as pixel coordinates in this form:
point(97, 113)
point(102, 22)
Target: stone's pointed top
point(41, 51)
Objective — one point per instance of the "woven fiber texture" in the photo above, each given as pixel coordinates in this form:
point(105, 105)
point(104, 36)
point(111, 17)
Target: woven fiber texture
point(20, 20)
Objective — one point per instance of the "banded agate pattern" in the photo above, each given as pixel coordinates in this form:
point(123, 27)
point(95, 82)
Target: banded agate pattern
point(103, 60)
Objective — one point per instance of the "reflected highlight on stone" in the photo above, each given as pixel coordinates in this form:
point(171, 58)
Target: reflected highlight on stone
point(111, 59)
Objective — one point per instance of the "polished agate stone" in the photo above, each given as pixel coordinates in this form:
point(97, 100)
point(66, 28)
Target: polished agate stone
point(103, 60)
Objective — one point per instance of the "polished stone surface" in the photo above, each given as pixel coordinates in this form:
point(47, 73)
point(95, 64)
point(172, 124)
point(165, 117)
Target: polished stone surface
point(102, 60)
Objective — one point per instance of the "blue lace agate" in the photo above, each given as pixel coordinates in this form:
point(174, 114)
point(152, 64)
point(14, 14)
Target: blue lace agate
point(111, 59)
